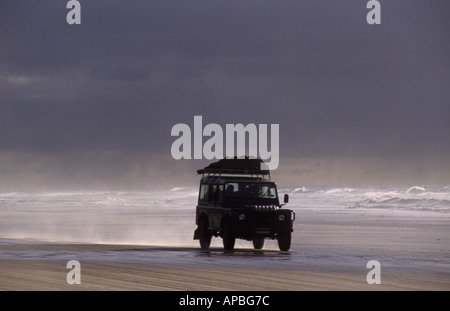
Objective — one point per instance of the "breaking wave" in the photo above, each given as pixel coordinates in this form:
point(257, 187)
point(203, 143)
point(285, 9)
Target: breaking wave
point(407, 198)
point(415, 189)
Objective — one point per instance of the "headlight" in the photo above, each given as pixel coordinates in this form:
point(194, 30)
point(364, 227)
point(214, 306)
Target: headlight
point(241, 216)
point(281, 217)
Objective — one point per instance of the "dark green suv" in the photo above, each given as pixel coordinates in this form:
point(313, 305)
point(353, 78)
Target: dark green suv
point(237, 199)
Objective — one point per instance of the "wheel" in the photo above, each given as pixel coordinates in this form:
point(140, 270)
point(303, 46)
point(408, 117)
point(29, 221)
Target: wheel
point(228, 237)
point(284, 241)
point(205, 234)
point(258, 243)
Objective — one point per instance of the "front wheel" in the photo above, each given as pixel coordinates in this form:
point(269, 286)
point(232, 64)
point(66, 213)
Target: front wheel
point(258, 243)
point(228, 237)
point(284, 241)
point(204, 234)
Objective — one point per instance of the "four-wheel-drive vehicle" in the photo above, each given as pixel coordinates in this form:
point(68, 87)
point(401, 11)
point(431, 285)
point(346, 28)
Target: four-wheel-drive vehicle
point(237, 199)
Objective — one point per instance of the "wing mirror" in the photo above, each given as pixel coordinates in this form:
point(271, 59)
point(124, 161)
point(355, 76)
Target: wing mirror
point(286, 198)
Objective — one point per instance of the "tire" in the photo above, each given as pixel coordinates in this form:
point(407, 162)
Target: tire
point(204, 233)
point(258, 243)
point(284, 241)
point(228, 237)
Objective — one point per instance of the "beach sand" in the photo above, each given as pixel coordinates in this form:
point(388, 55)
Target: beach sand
point(48, 274)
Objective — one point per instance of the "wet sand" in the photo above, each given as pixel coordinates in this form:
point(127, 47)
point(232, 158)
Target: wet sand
point(125, 244)
point(48, 274)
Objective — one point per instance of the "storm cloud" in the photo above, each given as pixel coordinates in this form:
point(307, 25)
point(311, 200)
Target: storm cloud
point(105, 94)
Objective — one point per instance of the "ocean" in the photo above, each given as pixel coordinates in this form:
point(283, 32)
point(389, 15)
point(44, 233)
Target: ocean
point(167, 217)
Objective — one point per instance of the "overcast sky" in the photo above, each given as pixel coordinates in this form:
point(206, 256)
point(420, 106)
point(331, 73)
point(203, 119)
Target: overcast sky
point(92, 105)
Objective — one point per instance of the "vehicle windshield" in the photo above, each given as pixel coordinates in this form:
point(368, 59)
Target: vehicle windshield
point(250, 190)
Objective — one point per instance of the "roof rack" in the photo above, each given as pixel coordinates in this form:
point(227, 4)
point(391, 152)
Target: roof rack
point(236, 166)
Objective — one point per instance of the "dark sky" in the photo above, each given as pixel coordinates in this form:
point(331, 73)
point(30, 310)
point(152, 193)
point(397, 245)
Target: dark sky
point(92, 105)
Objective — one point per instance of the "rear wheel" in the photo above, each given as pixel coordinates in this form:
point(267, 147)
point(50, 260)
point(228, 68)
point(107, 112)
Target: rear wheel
point(284, 241)
point(258, 243)
point(204, 234)
point(228, 237)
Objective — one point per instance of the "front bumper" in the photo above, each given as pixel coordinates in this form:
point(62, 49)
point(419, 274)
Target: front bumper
point(261, 224)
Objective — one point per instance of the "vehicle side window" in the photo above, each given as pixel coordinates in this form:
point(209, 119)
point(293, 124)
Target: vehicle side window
point(217, 193)
point(231, 189)
point(204, 193)
point(220, 199)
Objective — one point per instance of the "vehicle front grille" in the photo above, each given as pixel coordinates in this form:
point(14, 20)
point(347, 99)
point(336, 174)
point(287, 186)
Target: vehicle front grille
point(264, 219)
point(266, 208)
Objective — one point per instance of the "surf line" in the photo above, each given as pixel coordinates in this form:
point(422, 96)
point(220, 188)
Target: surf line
point(213, 148)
